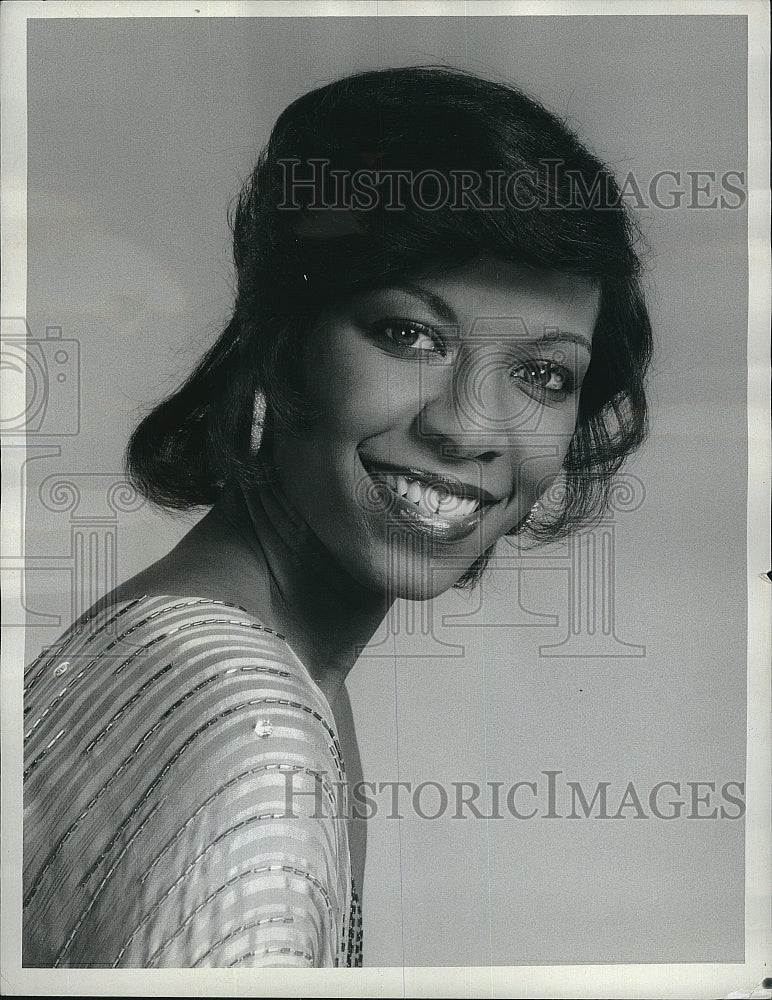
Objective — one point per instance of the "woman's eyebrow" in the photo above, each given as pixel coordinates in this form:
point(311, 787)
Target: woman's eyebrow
point(437, 304)
point(553, 336)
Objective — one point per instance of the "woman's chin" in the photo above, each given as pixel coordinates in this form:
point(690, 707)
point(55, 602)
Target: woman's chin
point(412, 576)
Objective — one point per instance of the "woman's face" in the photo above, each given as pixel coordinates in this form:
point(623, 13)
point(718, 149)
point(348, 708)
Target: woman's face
point(445, 408)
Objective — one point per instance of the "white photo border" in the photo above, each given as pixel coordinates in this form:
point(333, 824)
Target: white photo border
point(590, 981)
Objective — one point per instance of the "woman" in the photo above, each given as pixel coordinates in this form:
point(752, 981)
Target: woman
point(437, 316)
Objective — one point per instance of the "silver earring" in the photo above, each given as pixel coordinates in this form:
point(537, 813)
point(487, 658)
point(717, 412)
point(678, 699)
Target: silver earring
point(531, 516)
point(258, 423)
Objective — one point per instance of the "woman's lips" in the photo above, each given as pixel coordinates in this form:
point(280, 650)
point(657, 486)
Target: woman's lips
point(429, 498)
point(431, 504)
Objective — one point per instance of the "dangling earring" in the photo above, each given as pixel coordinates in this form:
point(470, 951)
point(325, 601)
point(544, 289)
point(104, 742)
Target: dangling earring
point(530, 516)
point(258, 423)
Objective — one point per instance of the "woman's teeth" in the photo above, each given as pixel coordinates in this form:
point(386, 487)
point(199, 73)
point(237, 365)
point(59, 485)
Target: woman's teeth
point(431, 501)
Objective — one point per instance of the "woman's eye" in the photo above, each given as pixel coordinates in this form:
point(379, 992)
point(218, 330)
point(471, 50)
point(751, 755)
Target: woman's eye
point(411, 336)
point(544, 375)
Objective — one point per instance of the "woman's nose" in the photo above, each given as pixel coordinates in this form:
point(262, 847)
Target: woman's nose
point(473, 410)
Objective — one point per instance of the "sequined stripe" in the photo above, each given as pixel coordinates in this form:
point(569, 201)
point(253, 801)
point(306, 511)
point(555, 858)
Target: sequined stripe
point(262, 870)
point(273, 951)
point(42, 754)
point(187, 626)
point(240, 930)
point(226, 713)
point(194, 666)
point(306, 839)
point(354, 936)
point(127, 705)
point(45, 651)
point(244, 670)
point(271, 671)
point(162, 774)
point(144, 647)
point(334, 745)
point(139, 651)
point(301, 706)
point(71, 634)
point(305, 929)
point(149, 914)
point(253, 626)
point(178, 881)
point(30, 732)
point(100, 792)
point(166, 608)
point(127, 822)
point(98, 891)
point(73, 637)
point(234, 829)
point(294, 768)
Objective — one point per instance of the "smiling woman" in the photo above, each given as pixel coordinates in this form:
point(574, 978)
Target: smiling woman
point(437, 317)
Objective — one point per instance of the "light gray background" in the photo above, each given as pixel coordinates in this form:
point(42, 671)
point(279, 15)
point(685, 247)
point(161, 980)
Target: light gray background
point(140, 132)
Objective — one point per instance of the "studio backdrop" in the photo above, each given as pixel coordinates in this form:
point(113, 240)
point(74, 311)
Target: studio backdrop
point(557, 757)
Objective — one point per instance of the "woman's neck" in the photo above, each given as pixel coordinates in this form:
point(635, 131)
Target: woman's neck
point(284, 577)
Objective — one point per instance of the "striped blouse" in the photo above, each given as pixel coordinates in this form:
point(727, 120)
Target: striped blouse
point(184, 797)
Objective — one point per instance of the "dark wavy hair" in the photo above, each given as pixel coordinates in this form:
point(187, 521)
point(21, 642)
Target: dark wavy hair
point(297, 252)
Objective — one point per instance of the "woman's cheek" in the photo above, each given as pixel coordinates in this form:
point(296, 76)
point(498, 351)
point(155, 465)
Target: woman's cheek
point(364, 392)
point(556, 426)
point(538, 457)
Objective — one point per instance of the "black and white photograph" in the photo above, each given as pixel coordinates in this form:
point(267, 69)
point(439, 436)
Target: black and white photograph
point(386, 462)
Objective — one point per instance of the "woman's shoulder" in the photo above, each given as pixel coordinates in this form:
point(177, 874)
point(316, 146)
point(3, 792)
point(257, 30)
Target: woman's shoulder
point(182, 658)
point(131, 634)
point(161, 731)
